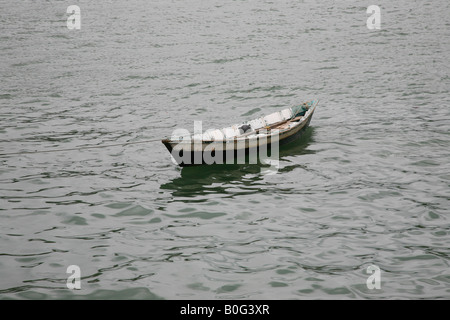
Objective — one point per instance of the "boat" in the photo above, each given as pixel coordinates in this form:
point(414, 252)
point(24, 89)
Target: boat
point(246, 141)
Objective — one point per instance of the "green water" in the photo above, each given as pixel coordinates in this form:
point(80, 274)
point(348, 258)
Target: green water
point(368, 183)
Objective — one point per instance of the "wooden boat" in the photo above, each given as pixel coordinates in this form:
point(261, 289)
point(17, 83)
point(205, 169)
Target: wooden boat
point(242, 141)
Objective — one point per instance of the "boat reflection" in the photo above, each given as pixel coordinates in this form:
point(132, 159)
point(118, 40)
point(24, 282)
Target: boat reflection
point(222, 178)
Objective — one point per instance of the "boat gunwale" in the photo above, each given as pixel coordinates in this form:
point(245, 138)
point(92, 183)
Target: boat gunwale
point(249, 136)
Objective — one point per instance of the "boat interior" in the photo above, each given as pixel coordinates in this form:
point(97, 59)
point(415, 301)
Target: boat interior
point(278, 120)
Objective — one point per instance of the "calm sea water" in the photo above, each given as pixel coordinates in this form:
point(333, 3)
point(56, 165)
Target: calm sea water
point(368, 184)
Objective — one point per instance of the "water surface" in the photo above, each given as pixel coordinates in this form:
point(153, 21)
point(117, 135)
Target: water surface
point(368, 184)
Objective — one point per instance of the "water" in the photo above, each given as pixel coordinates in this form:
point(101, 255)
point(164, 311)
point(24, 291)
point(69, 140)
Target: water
point(368, 184)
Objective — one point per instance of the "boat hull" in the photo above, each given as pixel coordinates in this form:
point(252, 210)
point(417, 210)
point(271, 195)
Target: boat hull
point(239, 150)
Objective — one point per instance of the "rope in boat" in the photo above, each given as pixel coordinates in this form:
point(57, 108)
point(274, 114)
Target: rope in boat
point(77, 148)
